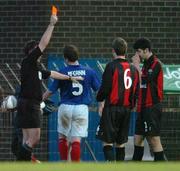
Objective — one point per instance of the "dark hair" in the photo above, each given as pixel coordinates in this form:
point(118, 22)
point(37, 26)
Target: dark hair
point(30, 46)
point(120, 46)
point(142, 43)
point(71, 53)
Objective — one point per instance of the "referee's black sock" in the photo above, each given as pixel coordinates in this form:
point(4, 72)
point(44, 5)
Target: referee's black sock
point(24, 153)
point(138, 153)
point(108, 153)
point(120, 154)
point(159, 156)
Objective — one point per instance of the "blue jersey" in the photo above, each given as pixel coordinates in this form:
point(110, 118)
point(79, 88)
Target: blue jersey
point(76, 93)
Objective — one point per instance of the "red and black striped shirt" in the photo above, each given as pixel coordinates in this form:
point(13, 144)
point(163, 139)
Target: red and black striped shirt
point(151, 88)
point(120, 82)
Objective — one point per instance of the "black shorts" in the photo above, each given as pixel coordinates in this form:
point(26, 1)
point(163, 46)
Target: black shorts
point(114, 125)
point(148, 121)
point(28, 113)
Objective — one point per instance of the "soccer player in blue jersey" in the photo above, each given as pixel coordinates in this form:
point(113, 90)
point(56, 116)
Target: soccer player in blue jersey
point(75, 98)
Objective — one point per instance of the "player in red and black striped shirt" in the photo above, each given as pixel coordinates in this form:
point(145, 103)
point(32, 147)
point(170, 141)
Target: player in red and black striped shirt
point(119, 86)
point(149, 101)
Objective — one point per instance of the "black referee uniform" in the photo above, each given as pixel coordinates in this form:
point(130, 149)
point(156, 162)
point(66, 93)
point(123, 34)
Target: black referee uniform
point(30, 95)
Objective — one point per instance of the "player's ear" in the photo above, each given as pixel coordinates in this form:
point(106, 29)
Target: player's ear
point(145, 50)
point(114, 53)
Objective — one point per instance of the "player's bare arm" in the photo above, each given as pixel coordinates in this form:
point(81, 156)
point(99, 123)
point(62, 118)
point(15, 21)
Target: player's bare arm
point(59, 76)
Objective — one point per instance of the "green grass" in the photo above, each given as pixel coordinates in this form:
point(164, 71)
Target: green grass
point(125, 166)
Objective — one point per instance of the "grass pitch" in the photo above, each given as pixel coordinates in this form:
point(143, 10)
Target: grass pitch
point(124, 166)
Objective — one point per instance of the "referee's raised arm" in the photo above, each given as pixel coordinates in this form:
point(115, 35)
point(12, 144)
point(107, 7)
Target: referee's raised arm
point(48, 33)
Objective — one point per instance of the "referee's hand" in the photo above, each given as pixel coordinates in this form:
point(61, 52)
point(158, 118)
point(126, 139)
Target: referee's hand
point(76, 79)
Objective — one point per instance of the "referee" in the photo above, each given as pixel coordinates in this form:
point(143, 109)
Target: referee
point(119, 86)
point(30, 97)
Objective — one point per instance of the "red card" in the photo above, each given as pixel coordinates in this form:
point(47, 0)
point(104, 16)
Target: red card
point(54, 10)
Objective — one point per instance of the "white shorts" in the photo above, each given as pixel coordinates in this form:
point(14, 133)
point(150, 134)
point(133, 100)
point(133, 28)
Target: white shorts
point(73, 120)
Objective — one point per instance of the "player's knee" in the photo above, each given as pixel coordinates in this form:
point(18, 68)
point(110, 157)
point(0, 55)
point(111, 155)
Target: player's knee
point(62, 136)
point(107, 144)
point(155, 142)
point(120, 145)
point(75, 139)
point(139, 140)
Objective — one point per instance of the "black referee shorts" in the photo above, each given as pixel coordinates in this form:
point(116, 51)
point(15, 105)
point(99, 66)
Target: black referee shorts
point(114, 125)
point(28, 113)
point(148, 121)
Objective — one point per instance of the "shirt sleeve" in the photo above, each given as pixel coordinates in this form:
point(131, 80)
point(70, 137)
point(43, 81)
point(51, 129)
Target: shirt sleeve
point(45, 74)
point(34, 54)
point(106, 84)
point(155, 72)
point(158, 76)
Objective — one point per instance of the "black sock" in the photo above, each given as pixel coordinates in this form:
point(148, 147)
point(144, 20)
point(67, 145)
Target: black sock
point(120, 154)
point(138, 153)
point(24, 153)
point(159, 156)
point(108, 153)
